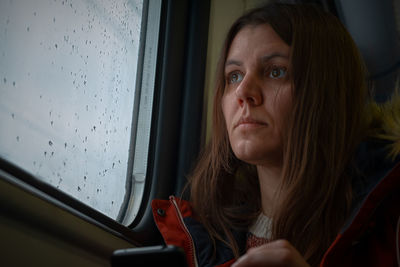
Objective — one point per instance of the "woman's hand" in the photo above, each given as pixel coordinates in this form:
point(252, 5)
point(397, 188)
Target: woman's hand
point(276, 253)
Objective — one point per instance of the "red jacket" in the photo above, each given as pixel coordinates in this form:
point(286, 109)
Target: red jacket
point(370, 238)
point(178, 226)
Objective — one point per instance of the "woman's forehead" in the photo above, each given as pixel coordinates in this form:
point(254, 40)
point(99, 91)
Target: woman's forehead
point(259, 41)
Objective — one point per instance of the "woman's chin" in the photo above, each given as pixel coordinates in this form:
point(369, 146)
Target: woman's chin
point(256, 154)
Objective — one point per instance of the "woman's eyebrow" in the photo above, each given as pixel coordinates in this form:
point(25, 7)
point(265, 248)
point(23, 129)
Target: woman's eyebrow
point(267, 58)
point(233, 62)
point(262, 59)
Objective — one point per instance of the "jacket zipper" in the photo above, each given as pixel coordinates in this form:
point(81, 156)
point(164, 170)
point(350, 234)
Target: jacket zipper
point(192, 251)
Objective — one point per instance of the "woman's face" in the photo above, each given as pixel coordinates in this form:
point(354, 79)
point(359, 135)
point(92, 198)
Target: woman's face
point(258, 95)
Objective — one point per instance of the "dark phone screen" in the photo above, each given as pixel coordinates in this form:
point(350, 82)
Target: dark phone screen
point(149, 256)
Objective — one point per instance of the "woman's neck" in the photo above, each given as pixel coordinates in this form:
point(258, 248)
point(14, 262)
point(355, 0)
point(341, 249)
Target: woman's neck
point(269, 178)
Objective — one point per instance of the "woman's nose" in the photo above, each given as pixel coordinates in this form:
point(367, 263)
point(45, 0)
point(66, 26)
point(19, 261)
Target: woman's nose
point(249, 92)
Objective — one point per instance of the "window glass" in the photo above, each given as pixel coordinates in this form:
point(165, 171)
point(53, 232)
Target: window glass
point(68, 90)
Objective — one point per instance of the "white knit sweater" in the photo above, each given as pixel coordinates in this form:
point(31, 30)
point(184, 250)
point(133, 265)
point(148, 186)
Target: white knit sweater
point(259, 232)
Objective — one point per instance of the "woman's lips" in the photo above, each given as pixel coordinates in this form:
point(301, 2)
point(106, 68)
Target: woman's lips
point(250, 122)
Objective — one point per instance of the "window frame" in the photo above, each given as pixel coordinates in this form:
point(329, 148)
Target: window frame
point(180, 79)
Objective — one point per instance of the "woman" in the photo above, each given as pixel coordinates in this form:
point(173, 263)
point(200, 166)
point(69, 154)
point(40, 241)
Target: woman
point(289, 162)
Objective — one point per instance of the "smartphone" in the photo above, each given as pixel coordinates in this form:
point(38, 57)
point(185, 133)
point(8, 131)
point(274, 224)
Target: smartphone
point(149, 256)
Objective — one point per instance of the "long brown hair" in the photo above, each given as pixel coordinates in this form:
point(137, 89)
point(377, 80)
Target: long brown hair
point(323, 130)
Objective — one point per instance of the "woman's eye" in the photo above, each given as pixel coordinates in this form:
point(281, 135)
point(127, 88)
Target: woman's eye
point(235, 77)
point(278, 72)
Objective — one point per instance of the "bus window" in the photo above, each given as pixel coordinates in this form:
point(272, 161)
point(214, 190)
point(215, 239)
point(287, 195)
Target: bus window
point(77, 82)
